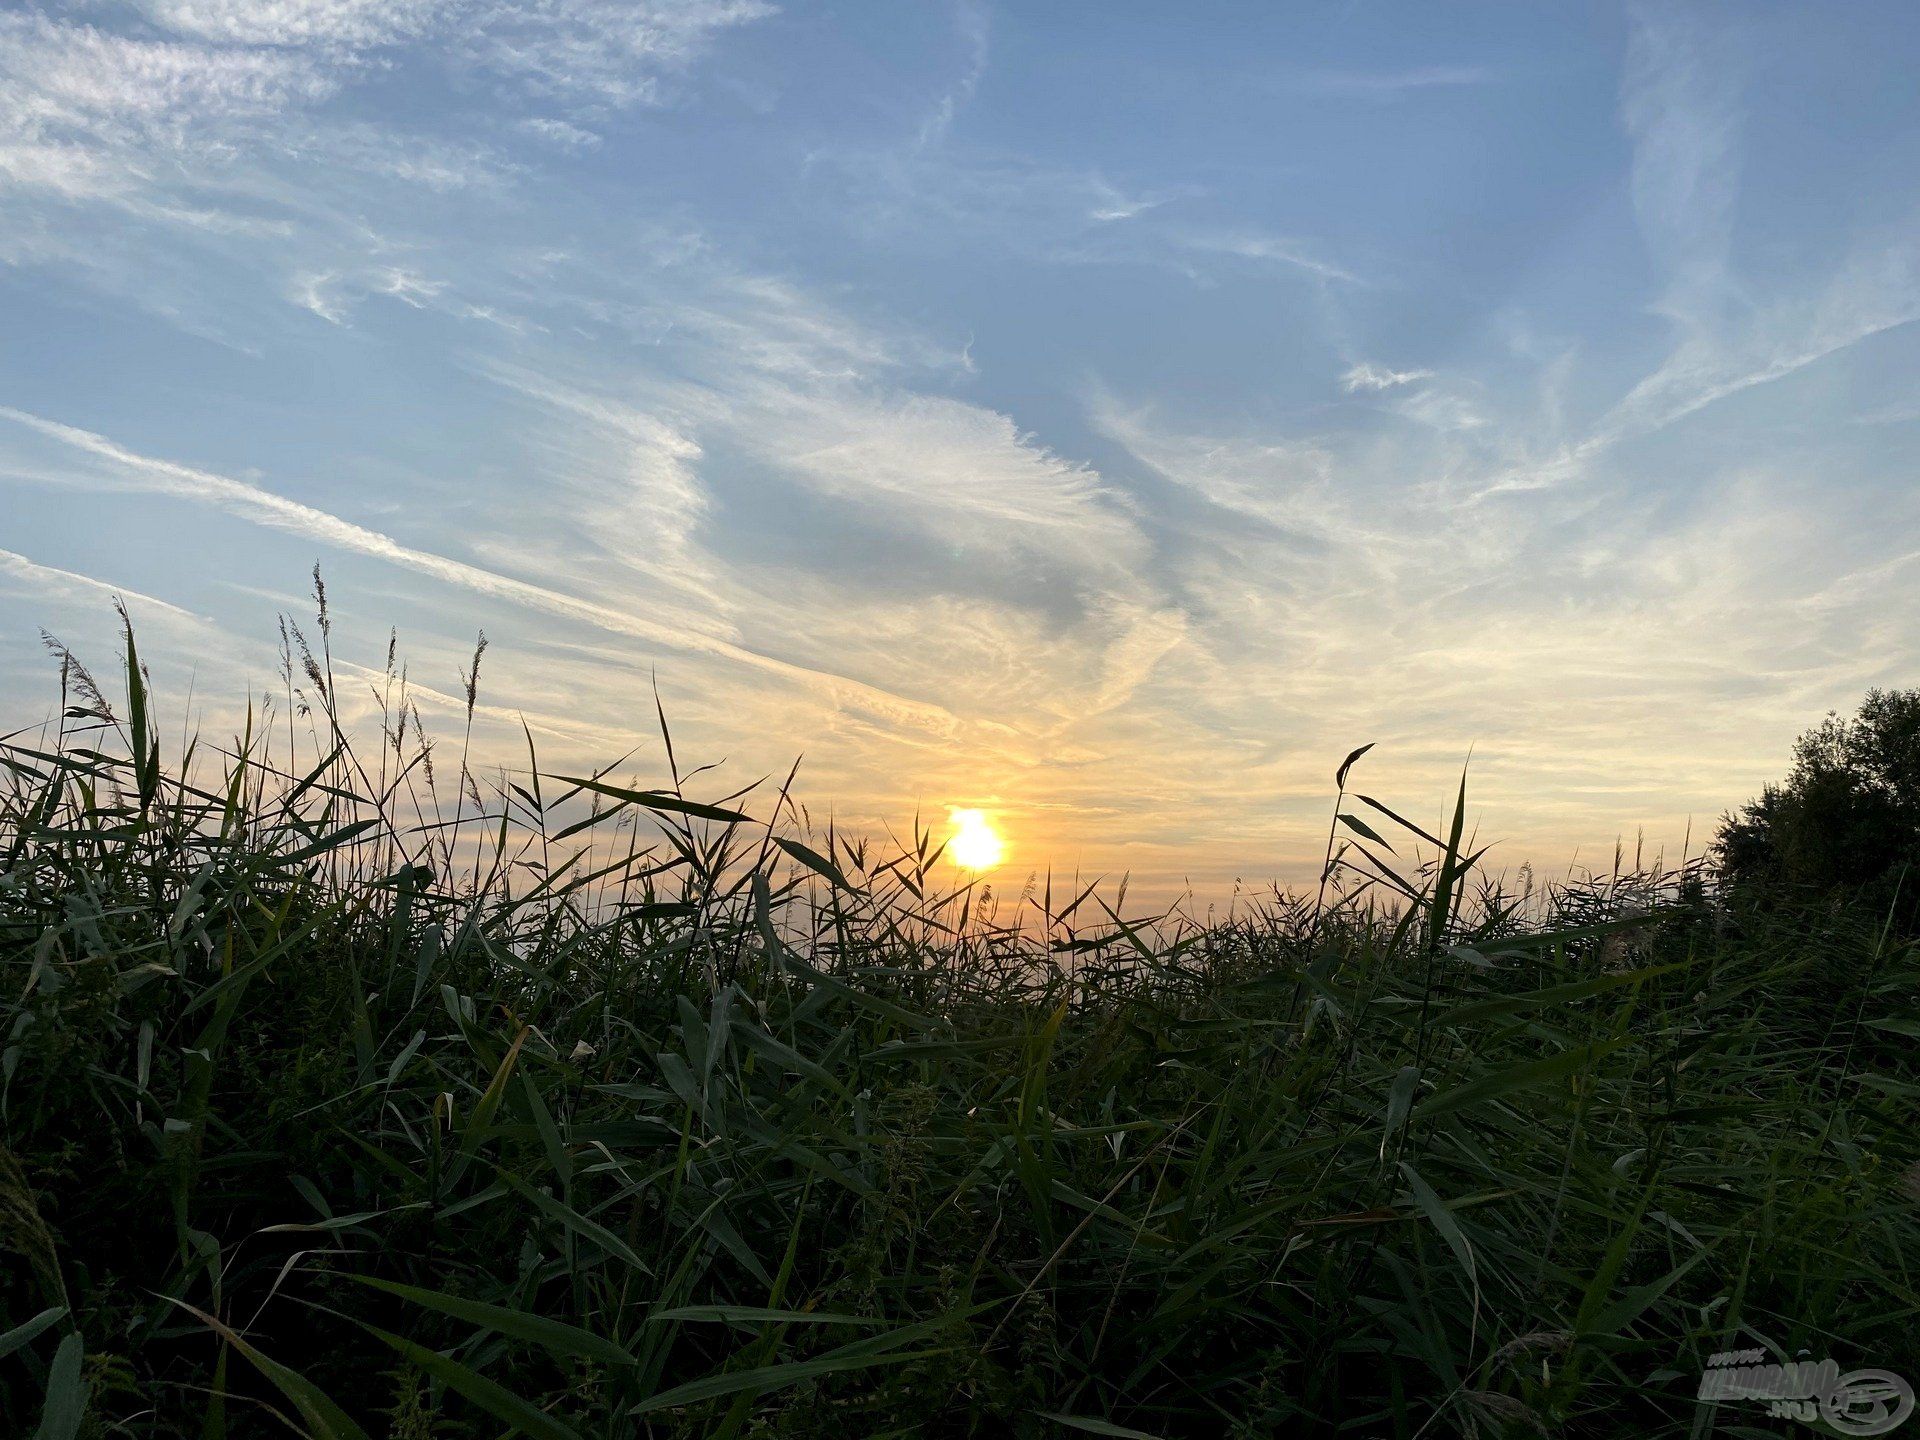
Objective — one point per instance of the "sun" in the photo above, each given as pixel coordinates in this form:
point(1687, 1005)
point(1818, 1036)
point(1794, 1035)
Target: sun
point(974, 843)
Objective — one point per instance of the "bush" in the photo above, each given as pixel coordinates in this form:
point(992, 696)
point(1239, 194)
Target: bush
point(1846, 821)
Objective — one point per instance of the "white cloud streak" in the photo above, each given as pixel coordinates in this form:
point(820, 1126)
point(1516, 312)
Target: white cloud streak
point(1365, 376)
point(251, 502)
point(19, 567)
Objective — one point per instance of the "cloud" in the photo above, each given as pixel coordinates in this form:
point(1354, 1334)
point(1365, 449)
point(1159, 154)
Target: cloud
point(917, 535)
point(334, 295)
point(85, 112)
point(1387, 612)
point(970, 20)
point(261, 506)
point(633, 472)
point(949, 196)
point(694, 435)
point(49, 577)
point(596, 52)
point(79, 80)
point(960, 472)
point(1447, 412)
point(560, 132)
point(1680, 101)
point(1365, 376)
point(80, 108)
point(809, 399)
point(1283, 482)
point(348, 25)
point(1875, 291)
point(1110, 203)
point(1265, 249)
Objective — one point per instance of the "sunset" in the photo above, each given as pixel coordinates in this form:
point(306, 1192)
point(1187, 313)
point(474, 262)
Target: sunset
point(739, 357)
point(765, 718)
point(975, 843)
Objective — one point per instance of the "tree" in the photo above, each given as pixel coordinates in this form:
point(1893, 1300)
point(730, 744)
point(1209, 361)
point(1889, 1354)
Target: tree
point(1846, 820)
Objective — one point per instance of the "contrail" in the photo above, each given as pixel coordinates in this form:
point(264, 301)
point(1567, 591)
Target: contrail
point(14, 563)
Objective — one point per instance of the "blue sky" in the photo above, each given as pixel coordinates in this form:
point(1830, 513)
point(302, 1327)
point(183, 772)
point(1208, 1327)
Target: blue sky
point(1103, 415)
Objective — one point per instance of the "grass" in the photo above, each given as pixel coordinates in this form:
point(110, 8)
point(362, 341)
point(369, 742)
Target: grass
point(341, 1097)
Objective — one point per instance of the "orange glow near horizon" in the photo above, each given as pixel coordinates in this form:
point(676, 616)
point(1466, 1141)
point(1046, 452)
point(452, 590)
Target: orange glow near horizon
point(974, 844)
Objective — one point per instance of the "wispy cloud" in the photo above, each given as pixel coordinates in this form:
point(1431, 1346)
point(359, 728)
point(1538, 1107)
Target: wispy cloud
point(88, 114)
point(252, 502)
point(562, 133)
point(950, 196)
point(20, 568)
point(595, 52)
point(1680, 100)
point(1367, 376)
point(338, 25)
point(1682, 104)
point(591, 51)
point(1261, 249)
point(835, 408)
point(1110, 203)
point(1383, 609)
point(963, 474)
point(972, 25)
point(84, 113)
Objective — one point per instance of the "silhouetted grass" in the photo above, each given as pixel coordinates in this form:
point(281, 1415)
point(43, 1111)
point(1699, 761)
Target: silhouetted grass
point(347, 1097)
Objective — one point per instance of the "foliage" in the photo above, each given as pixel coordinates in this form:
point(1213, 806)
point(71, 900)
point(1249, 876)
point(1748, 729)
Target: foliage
point(1847, 818)
point(575, 1109)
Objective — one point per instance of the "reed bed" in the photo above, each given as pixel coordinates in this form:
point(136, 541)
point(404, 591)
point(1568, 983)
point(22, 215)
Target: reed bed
point(345, 1090)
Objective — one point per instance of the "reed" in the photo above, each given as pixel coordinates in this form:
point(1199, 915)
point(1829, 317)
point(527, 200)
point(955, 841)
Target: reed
point(345, 1089)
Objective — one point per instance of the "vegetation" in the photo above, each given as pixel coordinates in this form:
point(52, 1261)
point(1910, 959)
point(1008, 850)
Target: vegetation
point(343, 1099)
point(1846, 821)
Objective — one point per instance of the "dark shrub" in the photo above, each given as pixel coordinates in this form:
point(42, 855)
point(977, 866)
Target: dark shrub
point(1846, 821)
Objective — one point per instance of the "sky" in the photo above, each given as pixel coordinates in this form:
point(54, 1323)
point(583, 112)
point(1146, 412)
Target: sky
point(1104, 416)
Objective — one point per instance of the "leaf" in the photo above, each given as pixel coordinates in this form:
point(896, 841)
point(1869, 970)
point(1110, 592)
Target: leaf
point(1435, 1209)
point(656, 800)
point(1365, 831)
point(1898, 1027)
point(578, 1223)
point(25, 1333)
point(1340, 775)
point(66, 1404)
point(1515, 1077)
point(1450, 871)
point(555, 1335)
point(814, 861)
point(1399, 819)
point(874, 1350)
point(329, 842)
point(146, 755)
point(1553, 994)
point(489, 1395)
point(1399, 1102)
point(326, 1419)
point(1630, 1306)
point(489, 1102)
point(758, 1315)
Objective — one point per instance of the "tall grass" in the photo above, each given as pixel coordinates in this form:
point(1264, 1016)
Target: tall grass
point(344, 1091)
